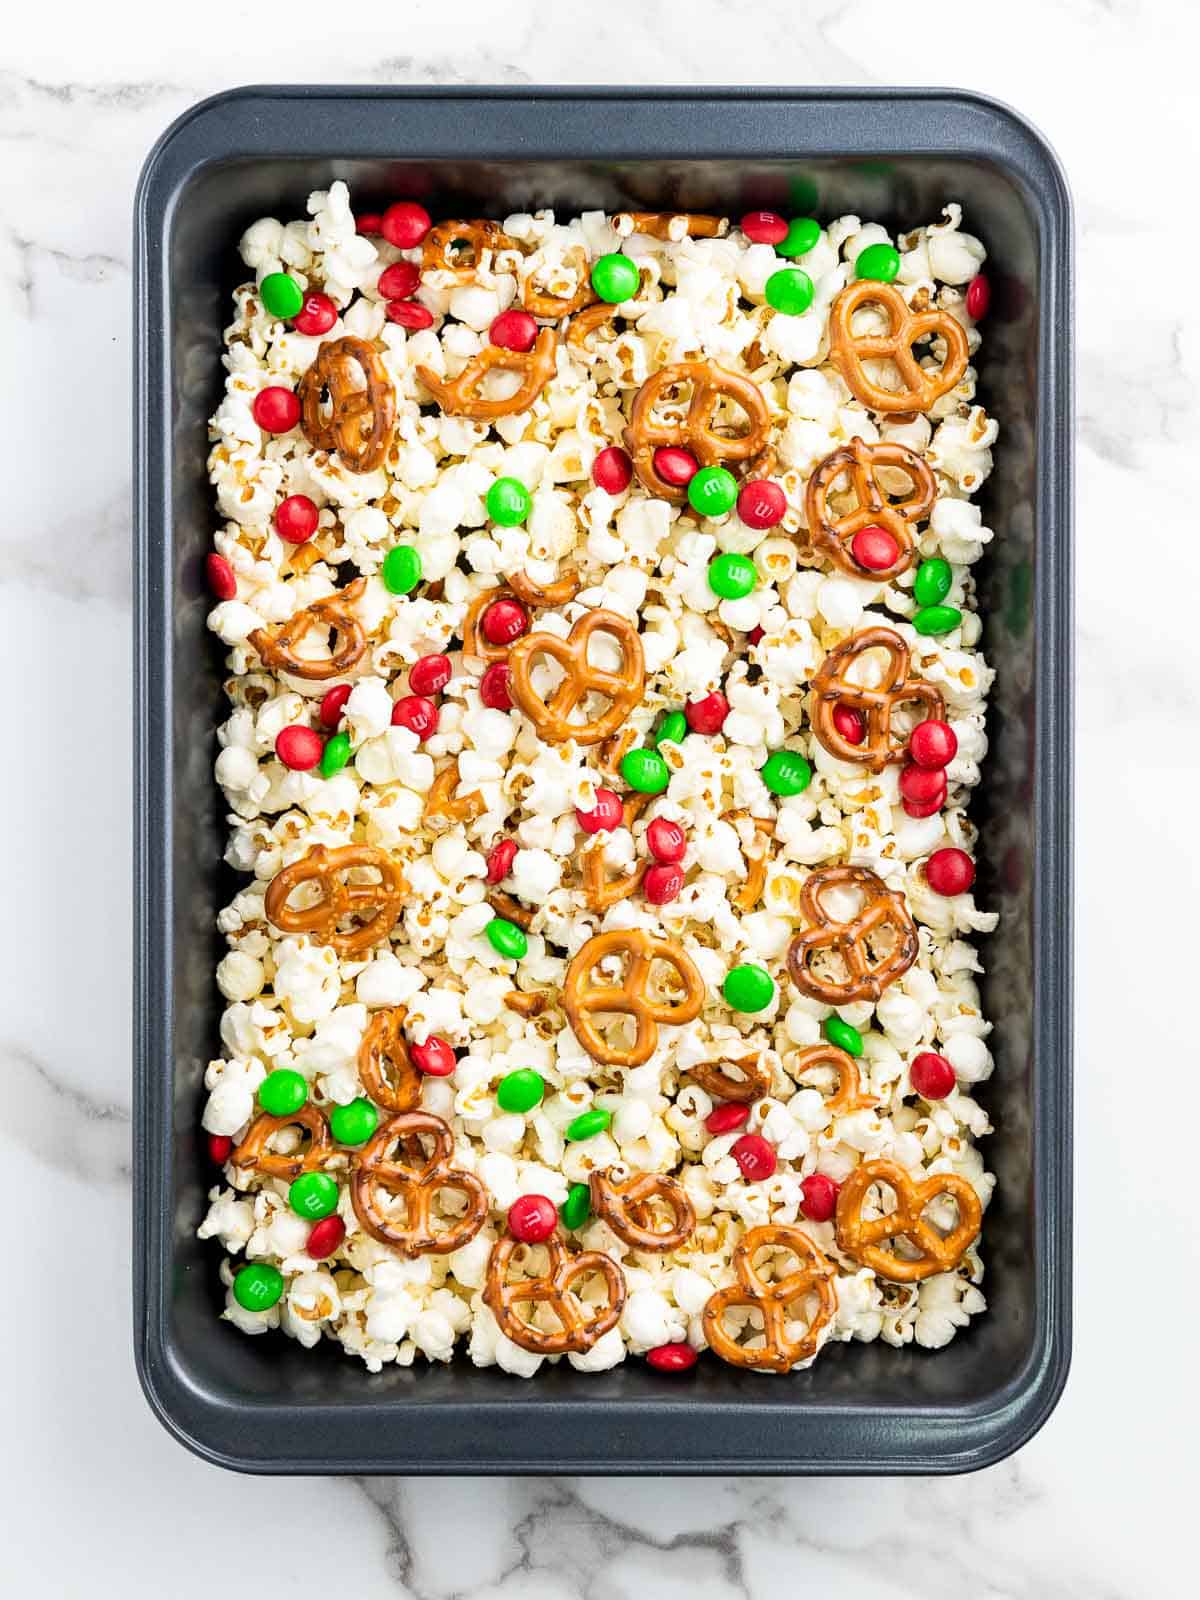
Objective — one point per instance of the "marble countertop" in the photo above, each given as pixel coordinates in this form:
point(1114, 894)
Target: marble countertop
point(1099, 1505)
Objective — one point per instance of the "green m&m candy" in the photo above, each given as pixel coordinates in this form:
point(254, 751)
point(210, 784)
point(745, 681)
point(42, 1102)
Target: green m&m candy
point(672, 729)
point(932, 582)
point(748, 988)
point(506, 939)
point(712, 491)
point(937, 619)
point(731, 576)
point(878, 261)
point(355, 1123)
point(577, 1207)
point(645, 771)
point(282, 1092)
point(588, 1124)
point(258, 1286)
point(786, 772)
point(508, 502)
point(615, 278)
point(520, 1091)
point(842, 1035)
point(313, 1195)
point(802, 234)
point(789, 290)
point(401, 569)
point(281, 295)
point(335, 754)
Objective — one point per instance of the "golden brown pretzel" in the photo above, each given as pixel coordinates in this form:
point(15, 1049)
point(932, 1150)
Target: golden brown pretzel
point(861, 463)
point(577, 1332)
point(527, 1002)
point(864, 1241)
point(458, 247)
point(710, 383)
point(848, 1095)
point(586, 322)
point(511, 909)
point(460, 397)
point(563, 588)
point(441, 801)
point(714, 1080)
point(750, 892)
point(375, 1172)
point(627, 1207)
point(362, 413)
point(582, 997)
point(255, 1153)
point(599, 890)
point(388, 1072)
point(379, 903)
point(474, 641)
point(814, 1276)
point(847, 351)
point(670, 226)
point(277, 648)
point(832, 687)
point(868, 974)
point(624, 689)
point(553, 306)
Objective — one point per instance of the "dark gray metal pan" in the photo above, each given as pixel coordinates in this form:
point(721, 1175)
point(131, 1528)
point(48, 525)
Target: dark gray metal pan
point(265, 1404)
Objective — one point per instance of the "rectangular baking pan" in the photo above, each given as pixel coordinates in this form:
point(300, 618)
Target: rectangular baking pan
point(265, 1404)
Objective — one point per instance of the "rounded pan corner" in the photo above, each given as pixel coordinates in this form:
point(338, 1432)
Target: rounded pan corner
point(1033, 143)
point(168, 1399)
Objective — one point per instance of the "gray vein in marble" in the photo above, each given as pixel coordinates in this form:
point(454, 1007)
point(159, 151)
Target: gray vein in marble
point(90, 268)
point(84, 556)
point(117, 96)
point(60, 1123)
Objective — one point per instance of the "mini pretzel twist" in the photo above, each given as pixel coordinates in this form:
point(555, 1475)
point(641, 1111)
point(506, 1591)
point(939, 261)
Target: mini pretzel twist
point(378, 903)
point(627, 1207)
point(861, 462)
point(695, 432)
point(388, 1072)
point(582, 997)
point(584, 323)
point(780, 1351)
point(278, 648)
point(578, 1332)
point(460, 397)
point(255, 1153)
point(847, 350)
point(755, 1080)
point(375, 1172)
point(553, 306)
point(442, 802)
point(362, 410)
point(459, 247)
point(833, 687)
point(670, 226)
point(864, 1241)
point(624, 689)
point(531, 593)
point(848, 1095)
point(868, 974)
point(751, 890)
point(599, 890)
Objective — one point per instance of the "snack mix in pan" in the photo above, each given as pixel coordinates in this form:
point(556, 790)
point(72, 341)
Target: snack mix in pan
point(605, 706)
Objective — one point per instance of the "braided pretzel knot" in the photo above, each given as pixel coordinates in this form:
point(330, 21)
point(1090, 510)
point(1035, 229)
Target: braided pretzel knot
point(754, 1082)
point(459, 247)
point(710, 383)
point(379, 903)
point(627, 1207)
point(460, 397)
point(779, 1351)
point(255, 1153)
point(832, 687)
point(388, 1072)
point(864, 1240)
point(848, 1095)
point(278, 649)
point(599, 890)
point(582, 997)
point(624, 689)
point(374, 1172)
point(848, 350)
point(362, 403)
point(670, 226)
point(577, 1332)
point(868, 974)
point(554, 306)
point(873, 509)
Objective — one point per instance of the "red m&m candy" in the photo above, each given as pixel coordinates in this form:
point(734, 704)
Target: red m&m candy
point(933, 744)
point(818, 1197)
point(612, 470)
point(764, 227)
point(850, 723)
point(606, 814)
point(317, 314)
point(370, 222)
point(500, 860)
point(296, 518)
point(662, 883)
point(435, 1057)
point(220, 1148)
point(325, 1237)
point(493, 687)
point(221, 578)
point(504, 621)
point(418, 715)
point(979, 297)
point(707, 715)
point(514, 330)
point(875, 549)
point(299, 748)
point(429, 675)
point(400, 281)
point(276, 409)
point(405, 224)
point(666, 840)
point(333, 705)
point(949, 871)
point(923, 785)
point(532, 1218)
point(931, 1075)
point(676, 1357)
point(675, 466)
point(761, 503)
point(755, 1156)
point(724, 1119)
point(408, 314)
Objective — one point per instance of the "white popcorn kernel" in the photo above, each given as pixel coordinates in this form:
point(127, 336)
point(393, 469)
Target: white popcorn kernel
point(239, 976)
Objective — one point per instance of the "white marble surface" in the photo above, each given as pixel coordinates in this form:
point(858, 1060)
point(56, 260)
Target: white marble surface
point(91, 1489)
